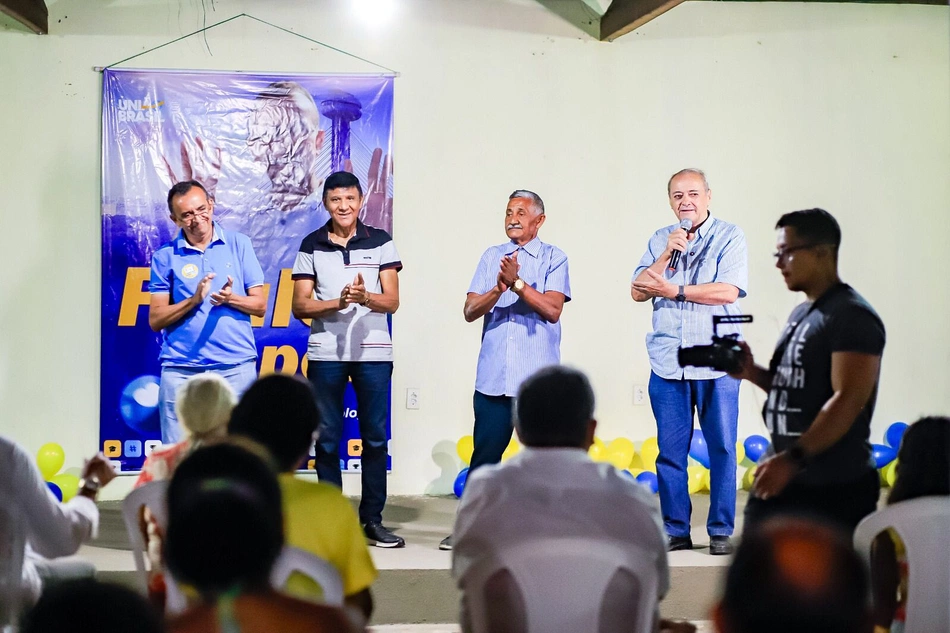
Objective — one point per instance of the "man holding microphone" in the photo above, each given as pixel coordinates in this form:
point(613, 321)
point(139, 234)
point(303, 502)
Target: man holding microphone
point(692, 271)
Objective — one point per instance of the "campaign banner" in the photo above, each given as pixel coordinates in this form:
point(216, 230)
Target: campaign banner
point(262, 145)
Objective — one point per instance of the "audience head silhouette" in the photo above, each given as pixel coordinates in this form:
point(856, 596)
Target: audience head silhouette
point(79, 606)
point(203, 404)
point(923, 467)
point(225, 527)
point(556, 409)
point(793, 575)
point(278, 412)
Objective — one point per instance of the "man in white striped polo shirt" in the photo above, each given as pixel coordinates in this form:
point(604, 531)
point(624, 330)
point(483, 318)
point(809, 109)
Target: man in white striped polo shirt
point(345, 281)
point(520, 288)
point(710, 276)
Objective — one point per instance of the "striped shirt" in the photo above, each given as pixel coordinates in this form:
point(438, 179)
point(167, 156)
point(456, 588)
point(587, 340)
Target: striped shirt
point(355, 333)
point(716, 254)
point(516, 340)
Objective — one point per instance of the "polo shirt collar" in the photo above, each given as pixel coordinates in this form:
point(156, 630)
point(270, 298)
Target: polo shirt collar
point(216, 236)
point(362, 232)
point(533, 247)
point(706, 227)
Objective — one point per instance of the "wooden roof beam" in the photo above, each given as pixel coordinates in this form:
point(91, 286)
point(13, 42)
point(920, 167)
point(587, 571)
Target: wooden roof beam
point(31, 13)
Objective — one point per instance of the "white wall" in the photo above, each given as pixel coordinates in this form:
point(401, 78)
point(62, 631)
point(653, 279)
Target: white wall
point(785, 105)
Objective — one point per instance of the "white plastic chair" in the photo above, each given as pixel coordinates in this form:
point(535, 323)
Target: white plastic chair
point(923, 525)
point(151, 495)
point(12, 547)
point(293, 559)
point(564, 585)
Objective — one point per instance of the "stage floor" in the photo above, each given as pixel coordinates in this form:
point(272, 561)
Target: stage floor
point(415, 587)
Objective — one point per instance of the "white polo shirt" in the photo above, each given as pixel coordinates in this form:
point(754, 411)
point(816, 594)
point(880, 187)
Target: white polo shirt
point(355, 333)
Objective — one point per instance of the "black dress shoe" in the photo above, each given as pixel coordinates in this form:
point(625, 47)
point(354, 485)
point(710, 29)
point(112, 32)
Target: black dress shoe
point(676, 543)
point(720, 545)
point(382, 537)
point(446, 544)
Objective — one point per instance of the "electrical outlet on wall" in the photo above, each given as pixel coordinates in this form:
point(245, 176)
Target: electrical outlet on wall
point(412, 398)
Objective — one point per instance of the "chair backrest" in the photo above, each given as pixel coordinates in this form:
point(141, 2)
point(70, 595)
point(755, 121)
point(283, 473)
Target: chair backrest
point(923, 525)
point(293, 559)
point(12, 546)
point(569, 585)
point(152, 496)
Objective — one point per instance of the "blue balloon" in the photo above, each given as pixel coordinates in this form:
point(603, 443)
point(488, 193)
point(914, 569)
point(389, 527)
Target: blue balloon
point(648, 479)
point(56, 490)
point(460, 482)
point(138, 404)
point(883, 455)
point(627, 473)
point(894, 433)
point(698, 449)
point(755, 447)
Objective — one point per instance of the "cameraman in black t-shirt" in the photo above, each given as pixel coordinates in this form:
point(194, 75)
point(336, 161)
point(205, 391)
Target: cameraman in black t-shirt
point(822, 385)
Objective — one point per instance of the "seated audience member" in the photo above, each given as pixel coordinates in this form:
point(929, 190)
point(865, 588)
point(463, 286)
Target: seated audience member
point(203, 405)
point(279, 412)
point(923, 470)
point(551, 489)
point(791, 575)
point(225, 530)
point(89, 606)
point(48, 528)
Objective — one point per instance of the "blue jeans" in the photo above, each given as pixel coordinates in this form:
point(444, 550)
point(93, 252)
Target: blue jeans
point(717, 404)
point(493, 428)
point(240, 377)
point(371, 383)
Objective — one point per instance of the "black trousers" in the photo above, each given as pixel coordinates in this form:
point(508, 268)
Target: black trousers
point(841, 504)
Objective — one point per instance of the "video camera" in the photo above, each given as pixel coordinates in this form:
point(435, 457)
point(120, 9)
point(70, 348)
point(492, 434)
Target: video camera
point(723, 354)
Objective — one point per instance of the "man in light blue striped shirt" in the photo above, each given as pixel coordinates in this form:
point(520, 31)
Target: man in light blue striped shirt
point(520, 288)
point(712, 273)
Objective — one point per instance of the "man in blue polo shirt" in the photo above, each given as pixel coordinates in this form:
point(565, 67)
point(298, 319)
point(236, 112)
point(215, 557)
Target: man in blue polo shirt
point(205, 285)
point(710, 276)
point(346, 282)
point(520, 288)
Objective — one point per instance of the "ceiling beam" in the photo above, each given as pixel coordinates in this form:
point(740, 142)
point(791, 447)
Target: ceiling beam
point(31, 13)
point(624, 16)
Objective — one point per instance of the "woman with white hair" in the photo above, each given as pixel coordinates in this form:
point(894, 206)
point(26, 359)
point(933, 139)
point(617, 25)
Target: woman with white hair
point(203, 404)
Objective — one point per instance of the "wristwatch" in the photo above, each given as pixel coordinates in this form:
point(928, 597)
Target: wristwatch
point(90, 484)
point(681, 295)
point(518, 285)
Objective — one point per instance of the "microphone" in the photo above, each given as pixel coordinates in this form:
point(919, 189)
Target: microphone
point(675, 259)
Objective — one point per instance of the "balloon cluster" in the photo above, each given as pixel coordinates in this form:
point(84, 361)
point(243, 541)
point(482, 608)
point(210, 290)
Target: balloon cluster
point(50, 459)
point(641, 466)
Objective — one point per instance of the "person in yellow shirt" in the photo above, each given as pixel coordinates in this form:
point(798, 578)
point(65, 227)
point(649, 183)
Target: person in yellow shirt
point(279, 412)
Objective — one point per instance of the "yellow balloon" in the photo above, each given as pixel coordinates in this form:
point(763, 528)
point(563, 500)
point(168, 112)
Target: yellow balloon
point(706, 481)
point(695, 476)
point(68, 483)
point(740, 452)
point(889, 473)
point(465, 447)
point(748, 478)
point(648, 453)
point(513, 448)
point(50, 459)
point(597, 451)
point(636, 462)
point(620, 452)
point(636, 471)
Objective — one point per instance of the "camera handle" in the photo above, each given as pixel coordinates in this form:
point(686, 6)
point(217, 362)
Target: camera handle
point(736, 318)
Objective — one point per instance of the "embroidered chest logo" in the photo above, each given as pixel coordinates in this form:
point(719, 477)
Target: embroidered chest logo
point(189, 271)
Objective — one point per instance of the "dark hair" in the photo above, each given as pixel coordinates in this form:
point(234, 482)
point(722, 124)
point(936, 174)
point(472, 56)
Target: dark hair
point(923, 467)
point(225, 523)
point(815, 226)
point(81, 606)
point(280, 413)
point(554, 406)
point(181, 188)
point(792, 575)
point(341, 180)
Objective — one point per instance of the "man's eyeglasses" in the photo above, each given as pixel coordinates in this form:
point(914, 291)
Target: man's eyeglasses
point(788, 250)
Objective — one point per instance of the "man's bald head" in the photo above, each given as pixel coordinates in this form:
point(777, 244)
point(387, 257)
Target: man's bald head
point(792, 575)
